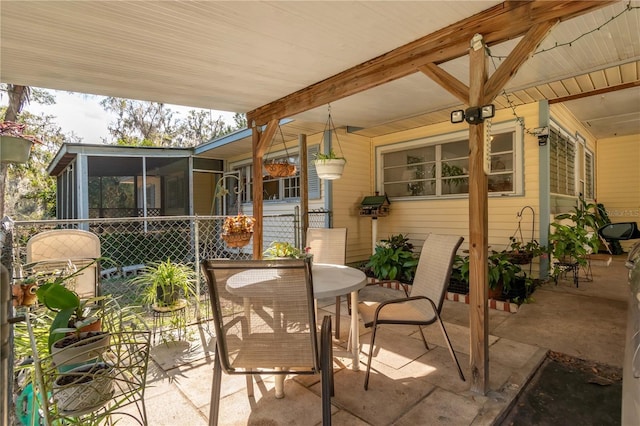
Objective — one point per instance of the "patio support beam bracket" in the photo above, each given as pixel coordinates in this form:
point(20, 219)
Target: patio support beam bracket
point(447, 81)
point(516, 58)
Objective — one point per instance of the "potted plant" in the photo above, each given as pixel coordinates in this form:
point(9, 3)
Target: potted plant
point(83, 389)
point(14, 145)
point(237, 230)
point(75, 321)
point(329, 166)
point(572, 243)
point(280, 249)
point(165, 283)
point(394, 259)
point(520, 253)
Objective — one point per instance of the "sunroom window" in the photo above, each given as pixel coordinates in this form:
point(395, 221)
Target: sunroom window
point(439, 166)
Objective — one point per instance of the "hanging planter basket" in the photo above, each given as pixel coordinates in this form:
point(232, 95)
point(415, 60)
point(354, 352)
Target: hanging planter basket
point(15, 147)
point(280, 169)
point(237, 230)
point(14, 150)
point(330, 169)
point(238, 239)
point(330, 165)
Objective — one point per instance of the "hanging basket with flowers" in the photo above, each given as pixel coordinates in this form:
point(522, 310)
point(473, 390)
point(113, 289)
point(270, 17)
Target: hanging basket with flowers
point(281, 167)
point(237, 230)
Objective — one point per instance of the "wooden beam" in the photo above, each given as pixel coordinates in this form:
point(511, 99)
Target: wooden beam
point(596, 92)
point(259, 145)
point(516, 58)
point(498, 24)
point(478, 229)
point(447, 81)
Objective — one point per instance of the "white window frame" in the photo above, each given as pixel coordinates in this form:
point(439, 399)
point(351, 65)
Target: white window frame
point(503, 127)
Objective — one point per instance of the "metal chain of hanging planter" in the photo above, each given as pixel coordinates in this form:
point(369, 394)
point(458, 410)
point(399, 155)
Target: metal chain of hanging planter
point(329, 165)
point(278, 168)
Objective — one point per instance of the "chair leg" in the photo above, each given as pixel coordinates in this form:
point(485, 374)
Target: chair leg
point(326, 367)
point(373, 338)
point(337, 317)
point(215, 390)
point(453, 354)
point(424, 340)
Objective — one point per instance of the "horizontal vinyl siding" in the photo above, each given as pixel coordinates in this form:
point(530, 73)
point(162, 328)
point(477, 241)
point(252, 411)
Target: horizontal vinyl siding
point(618, 179)
point(348, 192)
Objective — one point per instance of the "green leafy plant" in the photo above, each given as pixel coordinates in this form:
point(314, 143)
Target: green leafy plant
point(501, 271)
point(394, 259)
point(279, 249)
point(328, 156)
point(522, 253)
point(574, 242)
point(165, 282)
point(72, 313)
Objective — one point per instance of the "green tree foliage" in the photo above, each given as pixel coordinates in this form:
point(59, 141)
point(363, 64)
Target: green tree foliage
point(141, 123)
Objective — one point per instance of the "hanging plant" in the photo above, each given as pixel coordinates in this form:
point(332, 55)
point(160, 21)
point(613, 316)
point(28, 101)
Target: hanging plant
point(237, 230)
point(14, 145)
point(281, 167)
point(330, 165)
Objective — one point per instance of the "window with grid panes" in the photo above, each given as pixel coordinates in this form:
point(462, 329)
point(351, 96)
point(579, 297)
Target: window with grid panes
point(428, 169)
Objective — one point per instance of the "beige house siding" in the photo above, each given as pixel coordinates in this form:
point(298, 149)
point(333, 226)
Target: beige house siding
point(348, 192)
point(618, 178)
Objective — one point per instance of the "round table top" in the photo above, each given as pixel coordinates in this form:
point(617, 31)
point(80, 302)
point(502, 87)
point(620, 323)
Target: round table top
point(328, 281)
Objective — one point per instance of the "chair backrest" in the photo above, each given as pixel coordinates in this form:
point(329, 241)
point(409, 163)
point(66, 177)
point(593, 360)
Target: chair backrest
point(434, 267)
point(328, 245)
point(264, 315)
point(55, 249)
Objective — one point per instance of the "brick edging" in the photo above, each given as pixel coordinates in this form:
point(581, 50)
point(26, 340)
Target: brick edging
point(491, 303)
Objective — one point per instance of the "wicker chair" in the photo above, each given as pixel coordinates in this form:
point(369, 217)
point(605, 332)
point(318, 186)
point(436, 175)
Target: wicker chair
point(329, 245)
point(424, 303)
point(264, 318)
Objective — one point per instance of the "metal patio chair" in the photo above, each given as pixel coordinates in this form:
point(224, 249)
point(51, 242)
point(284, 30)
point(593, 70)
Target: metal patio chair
point(265, 323)
point(329, 245)
point(424, 303)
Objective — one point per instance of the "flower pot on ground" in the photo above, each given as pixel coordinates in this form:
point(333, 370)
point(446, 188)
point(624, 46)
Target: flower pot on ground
point(83, 389)
point(165, 283)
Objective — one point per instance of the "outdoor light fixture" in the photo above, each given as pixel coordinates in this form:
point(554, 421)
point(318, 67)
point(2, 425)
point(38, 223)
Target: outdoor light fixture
point(473, 115)
point(543, 135)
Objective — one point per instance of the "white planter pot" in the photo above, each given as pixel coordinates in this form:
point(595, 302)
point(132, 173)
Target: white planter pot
point(330, 169)
point(83, 389)
point(86, 349)
point(14, 150)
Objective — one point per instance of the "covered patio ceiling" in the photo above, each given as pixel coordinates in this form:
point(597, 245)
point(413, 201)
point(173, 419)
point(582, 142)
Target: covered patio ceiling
point(239, 56)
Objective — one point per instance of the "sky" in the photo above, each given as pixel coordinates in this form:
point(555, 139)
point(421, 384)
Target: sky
point(82, 114)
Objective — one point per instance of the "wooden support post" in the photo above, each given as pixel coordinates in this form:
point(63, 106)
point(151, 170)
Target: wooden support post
point(478, 227)
point(259, 144)
point(304, 186)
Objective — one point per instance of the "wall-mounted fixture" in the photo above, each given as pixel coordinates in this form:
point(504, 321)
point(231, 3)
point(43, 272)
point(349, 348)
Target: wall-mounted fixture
point(543, 135)
point(473, 115)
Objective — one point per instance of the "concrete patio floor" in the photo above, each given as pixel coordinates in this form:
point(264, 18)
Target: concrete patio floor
point(409, 385)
